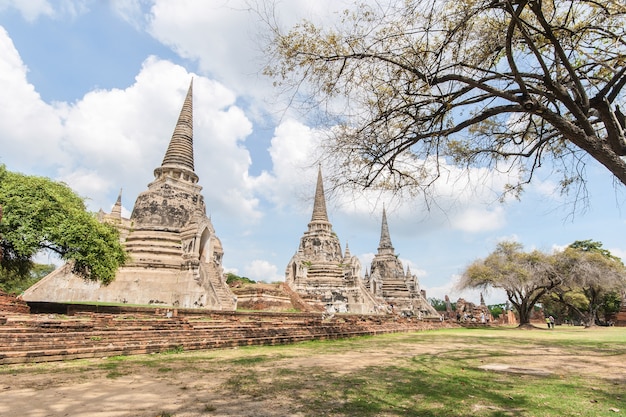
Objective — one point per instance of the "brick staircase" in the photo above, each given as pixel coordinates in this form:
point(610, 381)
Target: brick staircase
point(11, 304)
point(87, 334)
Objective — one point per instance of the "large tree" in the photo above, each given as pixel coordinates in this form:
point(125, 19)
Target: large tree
point(507, 84)
point(591, 277)
point(41, 214)
point(525, 277)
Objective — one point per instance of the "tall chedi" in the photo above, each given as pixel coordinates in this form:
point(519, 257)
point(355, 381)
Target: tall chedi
point(388, 280)
point(176, 257)
point(320, 273)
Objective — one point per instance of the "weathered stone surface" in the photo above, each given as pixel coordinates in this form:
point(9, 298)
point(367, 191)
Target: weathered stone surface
point(267, 297)
point(471, 313)
point(388, 281)
point(115, 330)
point(176, 257)
point(320, 273)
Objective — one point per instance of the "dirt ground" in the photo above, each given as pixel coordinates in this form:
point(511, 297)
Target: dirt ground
point(197, 386)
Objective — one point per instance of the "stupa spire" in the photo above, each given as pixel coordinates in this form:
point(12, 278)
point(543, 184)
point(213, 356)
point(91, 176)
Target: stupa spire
point(117, 207)
point(385, 239)
point(319, 205)
point(347, 254)
point(179, 153)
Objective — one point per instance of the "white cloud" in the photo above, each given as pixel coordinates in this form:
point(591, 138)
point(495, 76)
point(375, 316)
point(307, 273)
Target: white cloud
point(134, 12)
point(227, 39)
point(293, 151)
point(366, 260)
point(30, 10)
point(260, 270)
point(25, 118)
point(112, 139)
point(476, 220)
point(508, 238)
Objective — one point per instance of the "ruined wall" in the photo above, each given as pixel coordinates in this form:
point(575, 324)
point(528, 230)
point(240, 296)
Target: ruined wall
point(166, 207)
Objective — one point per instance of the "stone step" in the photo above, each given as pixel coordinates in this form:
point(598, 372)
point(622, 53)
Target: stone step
point(36, 341)
point(46, 355)
point(33, 339)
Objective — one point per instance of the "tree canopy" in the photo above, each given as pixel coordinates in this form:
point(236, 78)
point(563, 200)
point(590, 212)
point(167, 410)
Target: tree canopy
point(582, 277)
point(525, 277)
point(413, 85)
point(591, 275)
point(41, 214)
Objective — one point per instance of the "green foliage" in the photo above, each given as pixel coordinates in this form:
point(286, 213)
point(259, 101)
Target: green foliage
point(524, 276)
point(591, 276)
point(440, 305)
point(580, 278)
point(496, 310)
point(594, 247)
point(234, 280)
point(12, 282)
point(41, 214)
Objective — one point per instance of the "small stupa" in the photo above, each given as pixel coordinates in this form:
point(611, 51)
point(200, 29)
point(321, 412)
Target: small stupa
point(176, 257)
point(388, 280)
point(320, 273)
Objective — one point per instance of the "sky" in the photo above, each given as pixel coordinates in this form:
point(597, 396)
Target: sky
point(90, 91)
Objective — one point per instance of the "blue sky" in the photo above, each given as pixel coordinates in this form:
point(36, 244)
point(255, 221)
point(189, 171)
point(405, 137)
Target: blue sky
point(91, 91)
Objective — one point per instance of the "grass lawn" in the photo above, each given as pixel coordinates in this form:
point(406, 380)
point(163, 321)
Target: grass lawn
point(568, 371)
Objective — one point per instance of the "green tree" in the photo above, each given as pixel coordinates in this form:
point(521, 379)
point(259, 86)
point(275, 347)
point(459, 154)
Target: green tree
point(553, 307)
point(525, 277)
point(41, 214)
point(591, 277)
point(496, 310)
point(610, 305)
point(437, 303)
point(13, 282)
point(507, 84)
point(235, 280)
point(440, 305)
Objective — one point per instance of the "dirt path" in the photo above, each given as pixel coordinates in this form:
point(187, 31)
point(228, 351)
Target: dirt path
point(208, 383)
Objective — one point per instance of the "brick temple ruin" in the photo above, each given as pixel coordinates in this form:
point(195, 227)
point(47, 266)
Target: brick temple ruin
point(325, 277)
point(321, 273)
point(388, 280)
point(176, 257)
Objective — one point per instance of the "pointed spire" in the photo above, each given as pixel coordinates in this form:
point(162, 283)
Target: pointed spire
point(408, 271)
point(117, 207)
point(180, 151)
point(385, 239)
point(319, 205)
point(347, 254)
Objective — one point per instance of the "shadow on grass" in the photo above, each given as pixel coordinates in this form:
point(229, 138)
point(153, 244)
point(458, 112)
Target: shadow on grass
point(448, 383)
point(456, 392)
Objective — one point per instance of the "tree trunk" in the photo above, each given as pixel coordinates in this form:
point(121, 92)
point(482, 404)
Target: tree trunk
point(524, 313)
